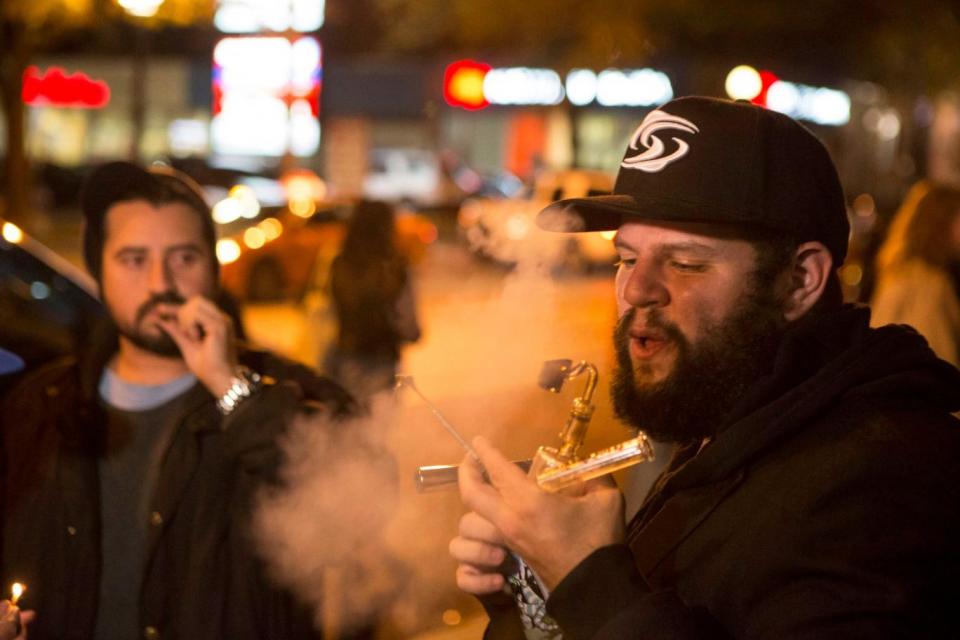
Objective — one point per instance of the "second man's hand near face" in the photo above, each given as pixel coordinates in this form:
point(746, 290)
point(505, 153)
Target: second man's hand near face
point(552, 532)
point(206, 339)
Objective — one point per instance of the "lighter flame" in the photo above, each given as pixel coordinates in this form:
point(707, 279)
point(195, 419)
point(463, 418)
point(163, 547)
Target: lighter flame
point(16, 590)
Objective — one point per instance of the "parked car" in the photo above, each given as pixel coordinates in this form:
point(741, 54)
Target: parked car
point(288, 250)
point(48, 305)
point(411, 177)
point(505, 229)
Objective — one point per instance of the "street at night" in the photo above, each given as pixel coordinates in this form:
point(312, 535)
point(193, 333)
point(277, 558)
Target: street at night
point(461, 319)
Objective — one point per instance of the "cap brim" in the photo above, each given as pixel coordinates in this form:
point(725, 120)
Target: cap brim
point(10, 362)
point(607, 213)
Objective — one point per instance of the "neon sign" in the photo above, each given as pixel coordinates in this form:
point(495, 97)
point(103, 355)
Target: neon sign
point(463, 84)
point(55, 88)
point(277, 16)
point(815, 104)
point(473, 85)
point(266, 95)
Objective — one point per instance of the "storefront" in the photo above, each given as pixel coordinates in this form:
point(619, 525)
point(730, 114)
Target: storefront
point(520, 119)
point(79, 109)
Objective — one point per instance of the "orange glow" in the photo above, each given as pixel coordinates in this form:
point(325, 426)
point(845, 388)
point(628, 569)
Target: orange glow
point(12, 233)
point(528, 139)
point(463, 84)
point(302, 208)
point(254, 237)
point(228, 251)
point(451, 617)
point(57, 89)
point(427, 234)
point(272, 228)
point(16, 590)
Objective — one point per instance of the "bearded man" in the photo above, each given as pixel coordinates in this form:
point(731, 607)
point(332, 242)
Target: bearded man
point(814, 489)
point(131, 468)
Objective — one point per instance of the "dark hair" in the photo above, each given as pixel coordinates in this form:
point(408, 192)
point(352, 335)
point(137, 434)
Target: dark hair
point(775, 254)
point(159, 186)
point(370, 233)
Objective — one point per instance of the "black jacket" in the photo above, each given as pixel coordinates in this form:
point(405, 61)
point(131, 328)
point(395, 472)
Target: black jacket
point(827, 507)
point(202, 578)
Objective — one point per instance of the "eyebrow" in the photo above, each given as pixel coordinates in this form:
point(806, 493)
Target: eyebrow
point(701, 249)
point(691, 246)
point(186, 246)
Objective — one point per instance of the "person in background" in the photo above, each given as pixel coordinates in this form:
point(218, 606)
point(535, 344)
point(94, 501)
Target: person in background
point(12, 620)
point(814, 489)
point(132, 467)
point(374, 302)
point(918, 268)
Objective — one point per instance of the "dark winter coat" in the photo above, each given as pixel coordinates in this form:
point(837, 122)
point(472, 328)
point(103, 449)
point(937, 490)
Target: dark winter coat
point(828, 507)
point(202, 578)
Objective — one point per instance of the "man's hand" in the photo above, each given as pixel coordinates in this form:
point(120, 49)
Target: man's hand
point(552, 532)
point(479, 551)
point(207, 342)
point(13, 621)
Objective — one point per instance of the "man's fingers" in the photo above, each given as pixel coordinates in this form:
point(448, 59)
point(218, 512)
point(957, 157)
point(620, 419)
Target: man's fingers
point(502, 472)
point(476, 527)
point(477, 582)
point(476, 553)
point(199, 321)
point(175, 331)
point(476, 494)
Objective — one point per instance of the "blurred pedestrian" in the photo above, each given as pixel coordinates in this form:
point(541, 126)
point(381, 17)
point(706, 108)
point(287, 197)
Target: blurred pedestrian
point(917, 268)
point(132, 467)
point(374, 301)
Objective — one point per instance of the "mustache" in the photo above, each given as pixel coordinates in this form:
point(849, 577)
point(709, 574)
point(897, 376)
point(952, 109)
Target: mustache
point(654, 320)
point(166, 297)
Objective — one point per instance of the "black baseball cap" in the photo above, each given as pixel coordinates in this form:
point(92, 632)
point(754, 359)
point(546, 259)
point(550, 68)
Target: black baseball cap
point(699, 159)
point(118, 181)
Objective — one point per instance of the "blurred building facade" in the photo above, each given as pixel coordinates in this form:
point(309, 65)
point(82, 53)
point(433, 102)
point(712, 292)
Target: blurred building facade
point(386, 117)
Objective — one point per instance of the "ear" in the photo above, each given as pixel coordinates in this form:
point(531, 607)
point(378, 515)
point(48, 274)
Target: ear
point(812, 266)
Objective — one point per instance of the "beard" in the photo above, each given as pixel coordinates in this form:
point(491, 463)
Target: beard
point(708, 378)
point(161, 344)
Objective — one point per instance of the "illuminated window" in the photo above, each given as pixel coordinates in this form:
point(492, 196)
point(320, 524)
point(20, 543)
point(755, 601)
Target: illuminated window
point(266, 96)
point(254, 16)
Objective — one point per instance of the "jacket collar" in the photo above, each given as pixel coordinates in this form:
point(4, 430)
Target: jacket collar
point(201, 414)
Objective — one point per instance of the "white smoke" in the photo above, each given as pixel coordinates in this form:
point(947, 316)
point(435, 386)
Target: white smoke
point(346, 530)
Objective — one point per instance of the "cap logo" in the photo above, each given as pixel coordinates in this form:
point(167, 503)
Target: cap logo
point(652, 158)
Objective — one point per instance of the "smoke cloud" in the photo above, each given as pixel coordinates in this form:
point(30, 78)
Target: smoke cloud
point(346, 530)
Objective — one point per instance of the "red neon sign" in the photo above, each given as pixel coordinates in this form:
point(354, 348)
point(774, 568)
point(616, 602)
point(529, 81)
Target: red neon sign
point(767, 78)
point(463, 84)
point(57, 89)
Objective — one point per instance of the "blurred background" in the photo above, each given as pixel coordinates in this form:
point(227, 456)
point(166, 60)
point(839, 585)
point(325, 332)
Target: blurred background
point(468, 116)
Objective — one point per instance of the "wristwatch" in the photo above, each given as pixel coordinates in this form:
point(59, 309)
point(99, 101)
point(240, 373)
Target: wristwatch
point(244, 384)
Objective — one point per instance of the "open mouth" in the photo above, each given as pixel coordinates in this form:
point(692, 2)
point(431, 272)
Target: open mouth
point(644, 345)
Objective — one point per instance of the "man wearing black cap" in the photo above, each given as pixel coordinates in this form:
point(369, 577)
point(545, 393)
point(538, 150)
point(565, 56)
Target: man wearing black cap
point(132, 468)
point(815, 487)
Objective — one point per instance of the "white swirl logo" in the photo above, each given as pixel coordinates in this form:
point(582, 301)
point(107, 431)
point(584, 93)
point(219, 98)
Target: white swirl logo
point(652, 159)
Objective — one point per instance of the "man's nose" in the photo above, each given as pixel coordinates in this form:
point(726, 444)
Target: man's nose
point(644, 287)
point(160, 277)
